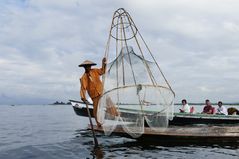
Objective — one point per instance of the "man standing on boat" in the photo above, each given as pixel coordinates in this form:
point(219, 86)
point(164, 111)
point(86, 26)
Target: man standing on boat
point(90, 82)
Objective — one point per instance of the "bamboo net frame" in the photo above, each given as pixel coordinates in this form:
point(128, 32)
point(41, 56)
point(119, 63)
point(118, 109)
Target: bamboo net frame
point(123, 32)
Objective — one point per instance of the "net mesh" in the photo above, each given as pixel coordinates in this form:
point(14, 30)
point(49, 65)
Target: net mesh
point(136, 93)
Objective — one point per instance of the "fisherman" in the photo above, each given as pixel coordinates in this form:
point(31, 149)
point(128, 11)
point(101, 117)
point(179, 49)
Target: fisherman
point(208, 109)
point(221, 109)
point(90, 82)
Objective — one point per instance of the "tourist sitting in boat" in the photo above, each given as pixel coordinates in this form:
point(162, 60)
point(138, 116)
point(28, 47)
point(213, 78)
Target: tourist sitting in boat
point(90, 82)
point(185, 107)
point(232, 111)
point(208, 108)
point(221, 109)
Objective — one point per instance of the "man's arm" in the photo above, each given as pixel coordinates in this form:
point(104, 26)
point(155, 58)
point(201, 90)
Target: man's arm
point(181, 110)
point(224, 110)
point(82, 90)
point(103, 68)
point(203, 112)
point(210, 111)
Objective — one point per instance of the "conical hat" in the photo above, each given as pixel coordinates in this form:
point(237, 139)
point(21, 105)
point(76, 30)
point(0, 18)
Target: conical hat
point(87, 62)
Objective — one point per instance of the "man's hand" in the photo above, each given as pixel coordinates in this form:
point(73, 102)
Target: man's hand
point(104, 61)
point(85, 101)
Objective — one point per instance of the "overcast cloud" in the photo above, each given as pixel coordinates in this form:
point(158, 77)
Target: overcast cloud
point(42, 42)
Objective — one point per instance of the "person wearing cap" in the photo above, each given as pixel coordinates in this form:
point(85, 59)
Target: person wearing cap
point(90, 82)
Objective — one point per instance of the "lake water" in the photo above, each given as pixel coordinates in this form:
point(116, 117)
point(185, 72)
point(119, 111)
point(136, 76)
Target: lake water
point(55, 132)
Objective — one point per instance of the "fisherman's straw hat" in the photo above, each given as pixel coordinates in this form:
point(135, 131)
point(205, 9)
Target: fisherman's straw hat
point(87, 63)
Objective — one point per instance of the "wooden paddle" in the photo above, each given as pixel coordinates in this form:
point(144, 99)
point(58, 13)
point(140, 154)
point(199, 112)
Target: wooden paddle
point(91, 124)
point(92, 128)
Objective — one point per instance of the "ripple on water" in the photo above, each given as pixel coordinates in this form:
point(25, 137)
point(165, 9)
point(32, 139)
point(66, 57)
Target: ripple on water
point(55, 132)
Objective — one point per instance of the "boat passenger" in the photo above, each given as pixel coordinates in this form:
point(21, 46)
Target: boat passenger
point(90, 82)
point(232, 111)
point(208, 108)
point(185, 107)
point(221, 109)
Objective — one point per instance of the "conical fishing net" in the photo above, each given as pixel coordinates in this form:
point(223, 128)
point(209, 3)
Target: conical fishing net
point(136, 93)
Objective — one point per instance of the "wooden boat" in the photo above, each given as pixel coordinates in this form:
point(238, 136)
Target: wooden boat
point(134, 82)
point(179, 118)
point(185, 134)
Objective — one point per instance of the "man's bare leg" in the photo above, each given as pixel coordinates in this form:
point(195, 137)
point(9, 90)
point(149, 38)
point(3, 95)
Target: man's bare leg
point(95, 108)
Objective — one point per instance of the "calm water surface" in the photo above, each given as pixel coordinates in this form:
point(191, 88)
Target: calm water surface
point(55, 132)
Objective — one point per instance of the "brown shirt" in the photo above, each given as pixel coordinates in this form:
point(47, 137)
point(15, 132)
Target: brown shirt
point(91, 83)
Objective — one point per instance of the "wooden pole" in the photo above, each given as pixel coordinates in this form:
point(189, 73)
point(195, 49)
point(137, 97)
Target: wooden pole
point(92, 128)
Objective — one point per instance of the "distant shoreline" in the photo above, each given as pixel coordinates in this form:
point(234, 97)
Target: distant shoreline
point(68, 103)
point(60, 103)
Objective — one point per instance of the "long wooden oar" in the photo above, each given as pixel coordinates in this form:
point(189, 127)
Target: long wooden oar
point(92, 128)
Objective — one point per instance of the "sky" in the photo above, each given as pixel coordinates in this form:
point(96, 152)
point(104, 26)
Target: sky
point(42, 43)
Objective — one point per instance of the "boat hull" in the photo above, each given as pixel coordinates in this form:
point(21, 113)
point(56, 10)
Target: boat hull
point(178, 134)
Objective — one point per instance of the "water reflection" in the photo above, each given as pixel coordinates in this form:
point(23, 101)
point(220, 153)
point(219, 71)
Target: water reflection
point(98, 153)
point(120, 147)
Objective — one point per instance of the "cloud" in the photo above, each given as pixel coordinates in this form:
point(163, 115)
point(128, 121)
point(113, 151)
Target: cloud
point(42, 42)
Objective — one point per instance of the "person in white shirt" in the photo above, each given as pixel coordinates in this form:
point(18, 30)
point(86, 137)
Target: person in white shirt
point(221, 109)
point(185, 107)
